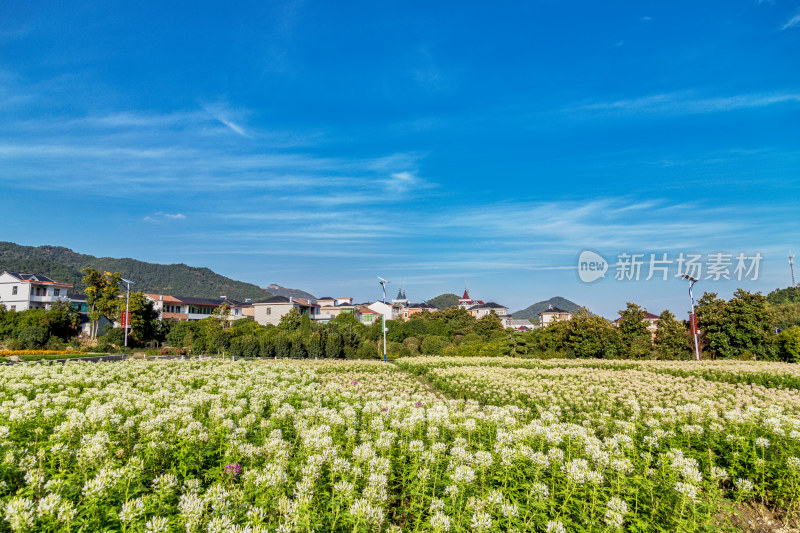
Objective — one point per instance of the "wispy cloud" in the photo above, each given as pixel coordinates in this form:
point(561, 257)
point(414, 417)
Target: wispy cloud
point(220, 113)
point(162, 217)
point(687, 103)
point(794, 21)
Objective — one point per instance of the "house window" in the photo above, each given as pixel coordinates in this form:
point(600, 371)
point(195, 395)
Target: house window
point(269, 310)
point(14, 289)
point(13, 307)
point(56, 292)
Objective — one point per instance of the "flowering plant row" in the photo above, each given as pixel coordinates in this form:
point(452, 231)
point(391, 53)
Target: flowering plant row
point(6, 353)
point(432, 444)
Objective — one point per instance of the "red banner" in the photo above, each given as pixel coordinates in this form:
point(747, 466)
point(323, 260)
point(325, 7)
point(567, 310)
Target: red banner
point(693, 324)
point(125, 319)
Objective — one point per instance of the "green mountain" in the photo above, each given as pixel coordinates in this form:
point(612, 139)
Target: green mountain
point(443, 301)
point(277, 290)
point(533, 311)
point(62, 264)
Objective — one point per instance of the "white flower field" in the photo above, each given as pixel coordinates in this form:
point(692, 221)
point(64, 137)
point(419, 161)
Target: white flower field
point(422, 444)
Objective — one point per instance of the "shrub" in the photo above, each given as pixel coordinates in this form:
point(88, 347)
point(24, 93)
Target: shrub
point(33, 337)
point(433, 345)
point(789, 344)
point(367, 350)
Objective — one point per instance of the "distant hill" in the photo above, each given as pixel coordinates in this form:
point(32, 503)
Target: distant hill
point(63, 264)
point(533, 311)
point(277, 290)
point(443, 301)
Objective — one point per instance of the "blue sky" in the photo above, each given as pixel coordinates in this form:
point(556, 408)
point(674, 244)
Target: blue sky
point(317, 145)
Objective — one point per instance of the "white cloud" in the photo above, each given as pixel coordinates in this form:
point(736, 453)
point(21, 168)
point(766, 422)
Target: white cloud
point(222, 114)
point(794, 21)
point(688, 103)
point(162, 217)
point(646, 19)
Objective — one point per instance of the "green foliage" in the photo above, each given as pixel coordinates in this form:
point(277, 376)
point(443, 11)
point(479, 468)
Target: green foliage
point(298, 349)
point(633, 331)
point(316, 346)
point(785, 315)
point(672, 340)
point(334, 347)
point(488, 325)
point(291, 321)
point(592, 336)
point(179, 331)
point(789, 343)
point(741, 326)
point(33, 337)
point(433, 345)
point(784, 296)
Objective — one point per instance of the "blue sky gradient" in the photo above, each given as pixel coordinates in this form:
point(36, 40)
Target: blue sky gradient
point(317, 145)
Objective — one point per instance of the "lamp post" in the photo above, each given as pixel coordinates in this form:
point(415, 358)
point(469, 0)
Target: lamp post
point(693, 317)
point(127, 322)
point(383, 283)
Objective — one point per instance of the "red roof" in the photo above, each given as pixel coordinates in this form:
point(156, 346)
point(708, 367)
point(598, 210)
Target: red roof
point(466, 295)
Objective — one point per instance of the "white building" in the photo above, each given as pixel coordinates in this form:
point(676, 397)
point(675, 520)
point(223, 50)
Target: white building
point(271, 310)
point(553, 314)
point(483, 309)
point(389, 311)
point(19, 291)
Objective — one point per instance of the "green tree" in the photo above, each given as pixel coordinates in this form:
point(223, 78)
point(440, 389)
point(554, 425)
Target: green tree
point(102, 291)
point(291, 321)
point(789, 344)
point(488, 324)
point(739, 327)
point(144, 318)
point(592, 336)
point(672, 340)
point(633, 331)
point(298, 349)
point(334, 347)
point(316, 346)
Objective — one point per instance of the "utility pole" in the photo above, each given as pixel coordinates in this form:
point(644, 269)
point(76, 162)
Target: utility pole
point(791, 267)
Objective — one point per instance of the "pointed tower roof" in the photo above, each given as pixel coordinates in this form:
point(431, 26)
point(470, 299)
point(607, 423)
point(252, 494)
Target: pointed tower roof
point(466, 295)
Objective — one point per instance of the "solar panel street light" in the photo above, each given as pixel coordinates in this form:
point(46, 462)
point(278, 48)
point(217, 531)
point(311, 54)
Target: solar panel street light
point(383, 283)
point(693, 316)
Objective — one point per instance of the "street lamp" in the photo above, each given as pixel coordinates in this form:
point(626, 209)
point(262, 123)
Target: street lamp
point(127, 322)
point(383, 283)
point(693, 317)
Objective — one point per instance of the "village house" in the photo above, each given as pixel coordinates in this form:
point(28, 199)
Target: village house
point(19, 291)
point(271, 310)
point(483, 309)
point(553, 314)
point(184, 308)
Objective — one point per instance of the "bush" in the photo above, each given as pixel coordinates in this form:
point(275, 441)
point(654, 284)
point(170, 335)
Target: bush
point(433, 345)
point(367, 350)
point(33, 337)
point(115, 336)
point(789, 344)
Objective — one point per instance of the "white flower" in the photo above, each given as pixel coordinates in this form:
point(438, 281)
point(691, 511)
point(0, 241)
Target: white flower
point(481, 521)
point(20, 513)
point(687, 489)
point(131, 511)
point(555, 526)
point(762, 442)
point(157, 524)
point(744, 485)
point(440, 521)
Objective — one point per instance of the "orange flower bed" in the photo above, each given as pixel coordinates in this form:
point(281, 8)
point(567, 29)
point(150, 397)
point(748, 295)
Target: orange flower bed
point(6, 353)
